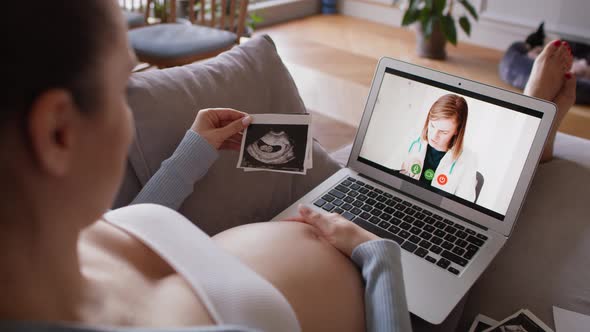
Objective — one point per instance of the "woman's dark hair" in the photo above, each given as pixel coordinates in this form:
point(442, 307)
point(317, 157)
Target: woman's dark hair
point(52, 44)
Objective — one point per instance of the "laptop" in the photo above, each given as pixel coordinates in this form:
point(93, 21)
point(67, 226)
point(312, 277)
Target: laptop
point(441, 165)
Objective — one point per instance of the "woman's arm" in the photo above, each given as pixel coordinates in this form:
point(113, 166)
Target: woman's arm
point(176, 178)
point(386, 307)
point(213, 129)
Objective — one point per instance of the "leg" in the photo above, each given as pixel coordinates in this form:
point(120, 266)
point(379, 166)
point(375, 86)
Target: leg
point(550, 80)
point(564, 101)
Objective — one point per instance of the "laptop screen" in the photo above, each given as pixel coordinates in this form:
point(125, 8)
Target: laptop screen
point(459, 144)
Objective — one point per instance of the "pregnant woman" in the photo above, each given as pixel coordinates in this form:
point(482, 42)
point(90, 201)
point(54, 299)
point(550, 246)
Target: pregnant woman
point(65, 131)
point(67, 265)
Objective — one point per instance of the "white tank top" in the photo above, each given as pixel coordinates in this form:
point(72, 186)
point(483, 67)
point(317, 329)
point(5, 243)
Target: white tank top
point(232, 292)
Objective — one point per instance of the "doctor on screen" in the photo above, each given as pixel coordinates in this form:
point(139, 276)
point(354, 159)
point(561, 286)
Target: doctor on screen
point(437, 156)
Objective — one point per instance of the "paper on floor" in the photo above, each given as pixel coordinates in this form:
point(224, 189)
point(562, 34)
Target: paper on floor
point(569, 321)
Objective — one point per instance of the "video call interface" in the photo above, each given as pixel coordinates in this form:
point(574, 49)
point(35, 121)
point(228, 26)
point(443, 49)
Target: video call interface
point(467, 147)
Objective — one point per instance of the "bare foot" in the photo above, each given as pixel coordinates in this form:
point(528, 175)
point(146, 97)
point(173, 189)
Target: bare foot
point(534, 53)
point(547, 75)
point(564, 100)
point(550, 80)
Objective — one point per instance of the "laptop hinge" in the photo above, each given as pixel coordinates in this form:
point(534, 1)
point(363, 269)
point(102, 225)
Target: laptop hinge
point(425, 202)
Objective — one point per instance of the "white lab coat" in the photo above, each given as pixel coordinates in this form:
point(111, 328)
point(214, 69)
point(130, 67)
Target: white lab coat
point(460, 173)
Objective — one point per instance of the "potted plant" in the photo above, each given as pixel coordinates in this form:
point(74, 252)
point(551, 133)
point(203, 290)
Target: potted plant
point(435, 24)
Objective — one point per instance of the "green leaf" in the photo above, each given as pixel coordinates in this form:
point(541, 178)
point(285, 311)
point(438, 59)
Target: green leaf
point(469, 8)
point(424, 18)
point(465, 25)
point(449, 30)
point(427, 28)
point(414, 4)
point(412, 15)
point(439, 6)
point(429, 3)
point(256, 17)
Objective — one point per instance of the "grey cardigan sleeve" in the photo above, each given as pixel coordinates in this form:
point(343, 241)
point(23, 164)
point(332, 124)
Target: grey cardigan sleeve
point(176, 178)
point(386, 308)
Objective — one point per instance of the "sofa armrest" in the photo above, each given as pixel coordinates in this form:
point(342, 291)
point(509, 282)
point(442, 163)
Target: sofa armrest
point(545, 261)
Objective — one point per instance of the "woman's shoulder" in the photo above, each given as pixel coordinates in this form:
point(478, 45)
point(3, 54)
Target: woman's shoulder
point(105, 234)
point(105, 244)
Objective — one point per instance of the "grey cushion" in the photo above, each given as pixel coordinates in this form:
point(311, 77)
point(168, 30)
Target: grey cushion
point(545, 261)
point(134, 19)
point(165, 41)
point(251, 78)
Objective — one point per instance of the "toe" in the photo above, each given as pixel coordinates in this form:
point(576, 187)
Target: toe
point(566, 64)
point(551, 49)
point(570, 60)
point(563, 51)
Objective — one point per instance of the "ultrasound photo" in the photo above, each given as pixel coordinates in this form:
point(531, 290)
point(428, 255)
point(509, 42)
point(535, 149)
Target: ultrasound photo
point(522, 321)
point(276, 146)
point(481, 323)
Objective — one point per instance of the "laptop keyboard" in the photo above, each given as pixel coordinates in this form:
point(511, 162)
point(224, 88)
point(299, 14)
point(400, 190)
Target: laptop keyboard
point(420, 231)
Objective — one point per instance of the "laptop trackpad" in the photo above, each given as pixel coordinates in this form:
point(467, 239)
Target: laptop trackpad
point(421, 193)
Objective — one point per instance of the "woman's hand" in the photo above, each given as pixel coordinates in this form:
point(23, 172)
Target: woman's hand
point(343, 234)
point(221, 127)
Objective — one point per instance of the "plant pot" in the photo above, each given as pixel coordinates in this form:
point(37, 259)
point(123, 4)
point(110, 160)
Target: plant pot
point(433, 47)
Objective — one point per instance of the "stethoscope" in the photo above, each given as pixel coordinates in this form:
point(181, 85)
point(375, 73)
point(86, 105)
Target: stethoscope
point(419, 141)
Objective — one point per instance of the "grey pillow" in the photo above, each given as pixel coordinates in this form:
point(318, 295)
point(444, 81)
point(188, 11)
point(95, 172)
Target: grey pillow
point(251, 78)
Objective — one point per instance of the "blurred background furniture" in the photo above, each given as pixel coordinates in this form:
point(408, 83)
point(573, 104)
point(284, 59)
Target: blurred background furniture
point(221, 23)
point(134, 12)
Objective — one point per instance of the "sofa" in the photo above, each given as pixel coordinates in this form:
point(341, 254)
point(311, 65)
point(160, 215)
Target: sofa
point(545, 263)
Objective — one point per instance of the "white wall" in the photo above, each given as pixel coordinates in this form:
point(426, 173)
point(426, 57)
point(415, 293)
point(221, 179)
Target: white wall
point(502, 21)
point(499, 139)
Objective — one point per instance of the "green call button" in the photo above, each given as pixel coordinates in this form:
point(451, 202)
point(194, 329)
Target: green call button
point(429, 174)
point(416, 169)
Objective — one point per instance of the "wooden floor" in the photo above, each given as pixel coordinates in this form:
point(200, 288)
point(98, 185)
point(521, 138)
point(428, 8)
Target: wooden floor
point(332, 60)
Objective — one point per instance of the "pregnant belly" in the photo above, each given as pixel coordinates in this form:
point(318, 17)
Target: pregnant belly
point(323, 286)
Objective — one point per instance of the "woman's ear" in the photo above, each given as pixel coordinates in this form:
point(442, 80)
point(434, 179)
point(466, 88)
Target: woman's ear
point(52, 123)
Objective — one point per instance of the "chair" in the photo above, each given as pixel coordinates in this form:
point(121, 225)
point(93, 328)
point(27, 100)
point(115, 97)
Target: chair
point(170, 44)
point(479, 183)
point(134, 15)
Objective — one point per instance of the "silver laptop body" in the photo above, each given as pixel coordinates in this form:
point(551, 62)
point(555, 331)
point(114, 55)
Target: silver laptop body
point(469, 208)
